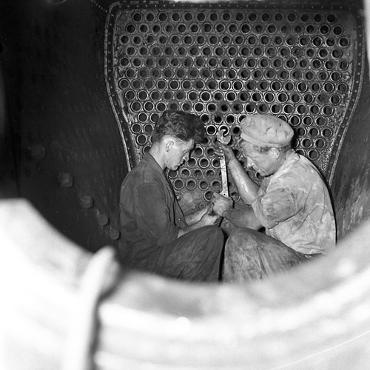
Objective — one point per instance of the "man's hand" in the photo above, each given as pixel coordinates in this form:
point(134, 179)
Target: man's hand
point(225, 150)
point(246, 187)
point(243, 216)
point(221, 204)
point(196, 216)
point(205, 219)
point(208, 220)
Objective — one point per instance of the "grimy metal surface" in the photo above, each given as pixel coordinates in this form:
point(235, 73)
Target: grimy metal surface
point(301, 62)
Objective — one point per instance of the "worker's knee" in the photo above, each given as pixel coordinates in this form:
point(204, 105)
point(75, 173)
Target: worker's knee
point(241, 238)
point(213, 231)
point(241, 246)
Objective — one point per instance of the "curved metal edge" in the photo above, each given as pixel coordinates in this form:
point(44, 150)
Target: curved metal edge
point(357, 90)
point(263, 4)
point(109, 80)
point(314, 313)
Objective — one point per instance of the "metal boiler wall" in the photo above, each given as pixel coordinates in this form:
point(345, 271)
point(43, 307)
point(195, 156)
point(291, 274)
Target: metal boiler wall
point(69, 157)
point(300, 61)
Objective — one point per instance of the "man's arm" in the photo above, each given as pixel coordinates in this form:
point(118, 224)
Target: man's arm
point(246, 187)
point(152, 213)
point(243, 217)
point(276, 206)
point(196, 216)
point(206, 220)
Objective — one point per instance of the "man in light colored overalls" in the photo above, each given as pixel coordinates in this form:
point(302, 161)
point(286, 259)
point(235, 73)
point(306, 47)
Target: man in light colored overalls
point(292, 204)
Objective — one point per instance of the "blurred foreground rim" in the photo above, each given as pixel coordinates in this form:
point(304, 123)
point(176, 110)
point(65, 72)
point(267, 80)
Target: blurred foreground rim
point(316, 316)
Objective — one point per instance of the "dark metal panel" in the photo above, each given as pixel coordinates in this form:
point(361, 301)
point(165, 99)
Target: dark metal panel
point(351, 180)
point(8, 177)
point(71, 158)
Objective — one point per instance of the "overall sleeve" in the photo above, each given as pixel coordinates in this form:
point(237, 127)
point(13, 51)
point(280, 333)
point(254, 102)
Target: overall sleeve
point(154, 213)
point(276, 206)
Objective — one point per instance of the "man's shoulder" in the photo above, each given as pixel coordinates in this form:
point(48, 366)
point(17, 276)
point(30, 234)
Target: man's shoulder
point(298, 172)
point(307, 171)
point(141, 174)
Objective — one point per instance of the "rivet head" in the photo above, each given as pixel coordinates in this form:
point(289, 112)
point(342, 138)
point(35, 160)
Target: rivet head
point(65, 179)
point(86, 201)
point(36, 151)
point(102, 219)
point(113, 233)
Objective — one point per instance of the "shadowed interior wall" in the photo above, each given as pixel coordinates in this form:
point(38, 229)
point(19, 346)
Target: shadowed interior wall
point(69, 157)
point(8, 183)
point(64, 115)
point(351, 180)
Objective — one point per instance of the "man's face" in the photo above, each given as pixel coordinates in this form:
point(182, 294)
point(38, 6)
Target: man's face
point(264, 163)
point(179, 153)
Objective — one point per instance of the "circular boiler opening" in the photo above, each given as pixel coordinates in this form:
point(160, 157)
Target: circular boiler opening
point(152, 293)
point(144, 307)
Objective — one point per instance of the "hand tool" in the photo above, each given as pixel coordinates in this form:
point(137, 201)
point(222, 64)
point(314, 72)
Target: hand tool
point(224, 137)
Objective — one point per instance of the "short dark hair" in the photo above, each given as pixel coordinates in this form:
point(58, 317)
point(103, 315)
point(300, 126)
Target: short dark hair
point(185, 126)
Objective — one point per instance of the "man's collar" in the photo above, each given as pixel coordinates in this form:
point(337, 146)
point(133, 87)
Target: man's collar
point(150, 159)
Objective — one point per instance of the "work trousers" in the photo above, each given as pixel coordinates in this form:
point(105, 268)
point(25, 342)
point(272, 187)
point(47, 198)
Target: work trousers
point(251, 255)
point(195, 256)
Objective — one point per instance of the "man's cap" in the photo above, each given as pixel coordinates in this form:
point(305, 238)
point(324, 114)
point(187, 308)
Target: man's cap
point(266, 130)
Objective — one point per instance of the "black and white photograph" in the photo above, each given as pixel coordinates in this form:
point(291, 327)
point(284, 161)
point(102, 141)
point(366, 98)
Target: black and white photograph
point(184, 185)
